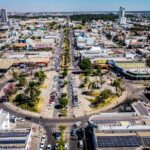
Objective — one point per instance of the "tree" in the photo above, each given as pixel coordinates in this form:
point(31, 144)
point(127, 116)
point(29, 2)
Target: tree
point(65, 72)
point(64, 102)
point(88, 72)
point(40, 75)
point(86, 80)
point(85, 64)
point(92, 86)
point(109, 36)
point(21, 99)
point(117, 84)
point(100, 75)
point(9, 90)
point(105, 94)
point(22, 80)
point(33, 91)
point(15, 75)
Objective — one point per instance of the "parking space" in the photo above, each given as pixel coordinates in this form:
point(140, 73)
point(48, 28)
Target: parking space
point(72, 89)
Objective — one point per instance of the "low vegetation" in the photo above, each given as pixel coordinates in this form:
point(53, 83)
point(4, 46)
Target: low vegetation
point(26, 93)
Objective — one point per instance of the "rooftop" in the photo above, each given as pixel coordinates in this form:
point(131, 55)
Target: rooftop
point(14, 139)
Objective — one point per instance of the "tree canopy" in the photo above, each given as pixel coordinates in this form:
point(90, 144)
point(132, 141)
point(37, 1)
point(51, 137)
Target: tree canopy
point(85, 64)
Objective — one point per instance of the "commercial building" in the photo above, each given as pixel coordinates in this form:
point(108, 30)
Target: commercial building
point(122, 18)
point(131, 70)
point(94, 52)
point(127, 131)
point(4, 17)
point(15, 139)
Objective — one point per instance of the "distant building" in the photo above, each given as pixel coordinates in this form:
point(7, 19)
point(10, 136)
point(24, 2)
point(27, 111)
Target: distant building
point(3, 14)
point(122, 18)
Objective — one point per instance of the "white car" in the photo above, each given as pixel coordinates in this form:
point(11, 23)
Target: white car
point(49, 147)
point(66, 147)
point(42, 145)
point(43, 139)
point(19, 119)
point(77, 124)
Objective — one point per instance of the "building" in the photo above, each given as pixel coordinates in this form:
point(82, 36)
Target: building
point(111, 131)
point(4, 120)
point(4, 17)
point(94, 52)
point(122, 18)
point(15, 139)
point(132, 70)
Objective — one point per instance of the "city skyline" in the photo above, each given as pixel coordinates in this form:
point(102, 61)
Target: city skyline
point(70, 6)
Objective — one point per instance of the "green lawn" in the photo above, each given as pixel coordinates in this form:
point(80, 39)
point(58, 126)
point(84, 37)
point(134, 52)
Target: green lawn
point(131, 65)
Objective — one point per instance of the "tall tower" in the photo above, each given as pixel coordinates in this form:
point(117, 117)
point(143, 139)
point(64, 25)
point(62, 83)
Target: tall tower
point(122, 18)
point(4, 17)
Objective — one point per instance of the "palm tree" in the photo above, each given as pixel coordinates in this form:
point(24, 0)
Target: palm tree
point(92, 86)
point(22, 80)
point(15, 75)
point(100, 75)
point(86, 80)
point(40, 75)
point(117, 84)
point(33, 91)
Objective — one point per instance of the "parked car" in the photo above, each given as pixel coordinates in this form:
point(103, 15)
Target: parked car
point(28, 118)
point(66, 146)
point(43, 138)
point(49, 147)
point(42, 144)
point(57, 135)
point(56, 146)
point(80, 144)
point(73, 132)
point(77, 124)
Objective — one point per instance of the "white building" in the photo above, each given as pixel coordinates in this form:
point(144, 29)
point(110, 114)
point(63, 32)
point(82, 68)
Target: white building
point(122, 18)
point(95, 52)
point(4, 120)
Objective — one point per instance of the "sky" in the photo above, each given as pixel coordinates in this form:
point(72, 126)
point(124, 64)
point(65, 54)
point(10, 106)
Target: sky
point(73, 5)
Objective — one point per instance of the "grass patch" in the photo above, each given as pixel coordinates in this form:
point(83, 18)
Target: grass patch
point(95, 93)
point(90, 100)
point(64, 112)
point(43, 86)
point(131, 65)
point(39, 106)
point(81, 76)
point(107, 102)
